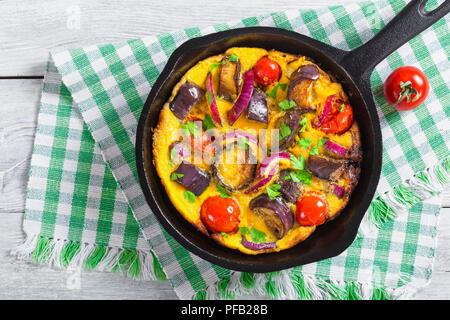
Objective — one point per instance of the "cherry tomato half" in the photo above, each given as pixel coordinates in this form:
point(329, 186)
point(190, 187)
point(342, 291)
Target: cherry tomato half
point(311, 210)
point(406, 88)
point(339, 119)
point(266, 71)
point(220, 214)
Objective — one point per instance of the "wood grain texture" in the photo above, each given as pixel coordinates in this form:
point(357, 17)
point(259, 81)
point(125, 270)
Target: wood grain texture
point(28, 31)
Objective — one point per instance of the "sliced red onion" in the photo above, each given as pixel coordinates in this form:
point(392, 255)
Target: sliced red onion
point(325, 111)
point(257, 246)
point(213, 106)
point(244, 97)
point(336, 148)
point(236, 135)
point(267, 165)
point(267, 170)
point(258, 185)
point(338, 190)
point(182, 151)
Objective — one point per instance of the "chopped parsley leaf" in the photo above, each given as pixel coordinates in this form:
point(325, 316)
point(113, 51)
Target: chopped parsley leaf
point(284, 131)
point(304, 143)
point(175, 176)
point(294, 177)
point(298, 163)
point(226, 235)
point(286, 105)
point(223, 193)
point(272, 191)
point(208, 123)
point(233, 58)
point(314, 151)
point(303, 123)
point(189, 196)
point(321, 142)
point(304, 176)
point(257, 235)
point(273, 92)
point(243, 143)
point(244, 230)
point(341, 107)
point(214, 65)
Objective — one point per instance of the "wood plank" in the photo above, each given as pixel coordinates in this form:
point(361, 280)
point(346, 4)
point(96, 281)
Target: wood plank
point(30, 29)
point(19, 100)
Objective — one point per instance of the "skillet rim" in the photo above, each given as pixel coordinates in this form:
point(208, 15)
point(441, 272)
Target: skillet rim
point(360, 84)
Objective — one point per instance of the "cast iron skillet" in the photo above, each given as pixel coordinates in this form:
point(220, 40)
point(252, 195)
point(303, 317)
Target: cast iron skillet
point(351, 68)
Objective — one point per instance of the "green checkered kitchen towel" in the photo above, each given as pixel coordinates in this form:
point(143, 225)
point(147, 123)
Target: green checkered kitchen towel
point(85, 208)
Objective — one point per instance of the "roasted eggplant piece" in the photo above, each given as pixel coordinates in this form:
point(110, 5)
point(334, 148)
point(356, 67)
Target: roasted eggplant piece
point(257, 107)
point(300, 86)
point(289, 189)
point(292, 120)
point(325, 168)
point(276, 214)
point(235, 166)
point(192, 178)
point(229, 79)
point(187, 96)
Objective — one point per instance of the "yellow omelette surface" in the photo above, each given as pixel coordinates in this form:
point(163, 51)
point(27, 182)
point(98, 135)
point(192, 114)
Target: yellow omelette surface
point(169, 125)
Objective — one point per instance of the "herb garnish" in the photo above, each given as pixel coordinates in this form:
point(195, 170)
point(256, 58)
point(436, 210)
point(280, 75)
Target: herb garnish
point(304, 176)
point(257, 235)
point(208, 123)
point(175, 176)
point(224, 234)
point(190, 127)
point(223, 193)
point(189, 196)
point(314, 151)
point(286, 105)
point(233, 58)
point(173, 154)
point(303, 123)
point(214, 65)
point(284, 131)
point(321, 142)
point(341, 107)
point(298, 163)
point(272, 191)
point(304, 143)
point(244, 230)
point(243, 143)
point(273, 93)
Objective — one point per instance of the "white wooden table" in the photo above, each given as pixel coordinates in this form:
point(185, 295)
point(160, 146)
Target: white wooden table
point(28, 30)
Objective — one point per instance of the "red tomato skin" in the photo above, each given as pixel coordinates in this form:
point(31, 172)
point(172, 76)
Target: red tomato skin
point(220, 214)
point(266, 71)
point(311, 210)
point(339, 121)
point(392, 90)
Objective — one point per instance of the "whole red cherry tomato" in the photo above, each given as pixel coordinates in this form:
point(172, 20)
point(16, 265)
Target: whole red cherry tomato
point(266, 71)
point(339, 119)
point(220, 214)
point(311, 210)
point(406, 88)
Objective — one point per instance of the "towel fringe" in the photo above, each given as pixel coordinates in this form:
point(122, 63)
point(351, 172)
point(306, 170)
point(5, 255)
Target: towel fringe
point(66, 254)
point(294, 285)
point(421, 186)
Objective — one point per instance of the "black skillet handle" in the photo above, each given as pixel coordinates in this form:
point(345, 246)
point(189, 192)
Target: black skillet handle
point(412, 20)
